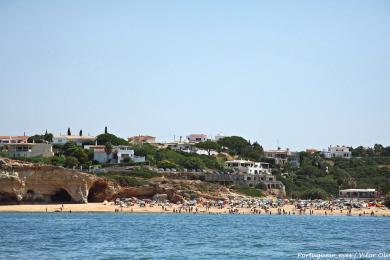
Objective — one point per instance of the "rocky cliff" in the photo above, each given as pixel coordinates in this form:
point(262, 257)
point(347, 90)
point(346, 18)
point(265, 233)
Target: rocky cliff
point(21, 181)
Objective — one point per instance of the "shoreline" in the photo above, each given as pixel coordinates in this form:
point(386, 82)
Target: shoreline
point(176, 209)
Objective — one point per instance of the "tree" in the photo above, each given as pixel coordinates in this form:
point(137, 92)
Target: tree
point(208, 145)
point(310, 171)
point(127, 160)
point(378, 149)
point(69, 133)
point(361, 151)
point(314, 194)
point(71, 162)
point(108, 149)
point(58, 160)
point(102, 139)
point(386, 151)
point(47, 137)
point(237, 145)
point(166, 164)
point(73, 150)
point(105, 130)
point(81, 133)
point(194, 163)
point(261, 186)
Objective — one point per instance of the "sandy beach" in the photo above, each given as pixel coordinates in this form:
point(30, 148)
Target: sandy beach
point(111, 207)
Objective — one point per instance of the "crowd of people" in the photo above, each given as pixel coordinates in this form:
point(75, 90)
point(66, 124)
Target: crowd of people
point(245, 205)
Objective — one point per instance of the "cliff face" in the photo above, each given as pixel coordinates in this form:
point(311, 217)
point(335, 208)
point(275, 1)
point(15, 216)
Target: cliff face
point(44, 183)
point(26, 182)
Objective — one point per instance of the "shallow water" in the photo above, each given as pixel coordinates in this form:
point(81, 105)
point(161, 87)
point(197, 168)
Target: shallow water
point(181, 236)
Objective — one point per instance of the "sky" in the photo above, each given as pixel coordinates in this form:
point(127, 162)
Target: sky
point(296, 74)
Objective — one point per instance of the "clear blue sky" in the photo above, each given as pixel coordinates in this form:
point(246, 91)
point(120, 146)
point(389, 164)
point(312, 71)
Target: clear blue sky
point(298, 73)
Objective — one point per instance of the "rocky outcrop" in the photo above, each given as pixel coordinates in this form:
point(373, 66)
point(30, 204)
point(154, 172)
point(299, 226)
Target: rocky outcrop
point(30, 182)
point(27, 182)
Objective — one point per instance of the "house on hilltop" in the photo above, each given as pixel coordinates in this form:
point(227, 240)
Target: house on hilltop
point(27, 150)
point(196, 138)
point(337, 152)
point(79, 140)
point(118, 154)
point(13, 139)
point(140, 139)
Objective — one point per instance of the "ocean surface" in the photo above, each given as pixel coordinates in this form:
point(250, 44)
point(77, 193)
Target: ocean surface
point(185, 236)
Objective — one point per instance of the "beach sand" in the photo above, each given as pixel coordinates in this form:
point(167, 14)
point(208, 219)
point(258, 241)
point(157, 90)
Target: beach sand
point(110, 207)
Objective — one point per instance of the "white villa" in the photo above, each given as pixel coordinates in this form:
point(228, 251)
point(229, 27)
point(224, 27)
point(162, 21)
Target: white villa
point(196, 138)
point(79, 140)
point(187, 147)
point(337, 152)
point(220, 135)
point(117, 155)
point(249, 167)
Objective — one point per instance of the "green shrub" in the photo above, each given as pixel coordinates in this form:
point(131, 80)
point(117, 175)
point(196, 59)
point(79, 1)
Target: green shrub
point(167, 164)
point(71, 162)
point(124, 180)
point(249, 191)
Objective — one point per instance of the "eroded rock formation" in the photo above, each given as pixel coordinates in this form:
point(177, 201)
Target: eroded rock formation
point(45, 183)
point(27, 182)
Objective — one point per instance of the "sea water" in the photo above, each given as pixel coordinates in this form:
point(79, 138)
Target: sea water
point(187, 236)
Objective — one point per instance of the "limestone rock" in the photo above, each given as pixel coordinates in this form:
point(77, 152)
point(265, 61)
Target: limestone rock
point(20, 181)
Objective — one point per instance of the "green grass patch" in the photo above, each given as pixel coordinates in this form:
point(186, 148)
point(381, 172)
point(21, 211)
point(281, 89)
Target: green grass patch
point(249, 191)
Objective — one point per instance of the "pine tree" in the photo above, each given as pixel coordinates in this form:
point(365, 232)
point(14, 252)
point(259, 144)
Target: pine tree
point(69, 133)
point(81, 133)
point(105, 130)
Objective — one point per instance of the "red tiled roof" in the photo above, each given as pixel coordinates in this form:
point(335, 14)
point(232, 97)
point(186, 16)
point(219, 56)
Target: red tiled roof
point(197, 136)
point(8, 137)
point(141, 138)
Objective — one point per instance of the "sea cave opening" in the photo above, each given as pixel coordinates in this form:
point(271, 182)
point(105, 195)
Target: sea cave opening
point(61, 195)
point(97, 191)
point(7, 198)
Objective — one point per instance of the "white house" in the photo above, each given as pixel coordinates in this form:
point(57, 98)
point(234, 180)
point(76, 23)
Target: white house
point(205, 152)
point(220, 135)
point(337, 152)
point(187, 147)
point(249, 167)
point(79, 140)
point(180, 146)
point(196, 138)
point(117, 155)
